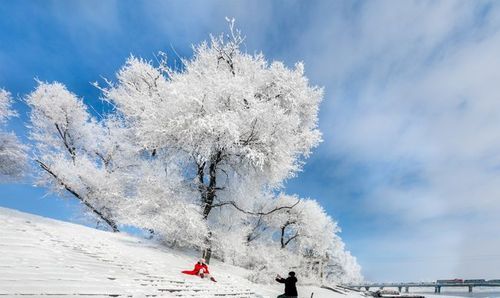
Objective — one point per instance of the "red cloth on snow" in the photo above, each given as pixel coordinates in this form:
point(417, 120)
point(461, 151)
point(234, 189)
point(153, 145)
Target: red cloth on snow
point(197, 268)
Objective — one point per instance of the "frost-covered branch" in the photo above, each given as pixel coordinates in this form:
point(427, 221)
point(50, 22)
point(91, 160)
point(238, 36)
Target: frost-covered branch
point(75, 152)
point(284, 242)
point(82, 199)
point(258, 213)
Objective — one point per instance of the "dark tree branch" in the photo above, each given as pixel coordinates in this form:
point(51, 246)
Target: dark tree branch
point(232, 203)
point(64, 137)
point(283, 228)
point(108, 221)
point(253, 234)
point(252, 135)
point(105, 160)
point(291, 238)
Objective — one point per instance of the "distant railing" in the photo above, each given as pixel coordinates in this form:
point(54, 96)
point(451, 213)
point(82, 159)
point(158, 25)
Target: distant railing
point(470, 284)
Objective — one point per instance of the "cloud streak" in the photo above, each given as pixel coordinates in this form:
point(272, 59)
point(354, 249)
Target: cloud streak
point(413, 95)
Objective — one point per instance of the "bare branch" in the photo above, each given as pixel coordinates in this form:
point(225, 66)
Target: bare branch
point(291, 238)
point(232, 203)
point(108, 221)
point(283, 228)
point(64, 137)
point(253, 234)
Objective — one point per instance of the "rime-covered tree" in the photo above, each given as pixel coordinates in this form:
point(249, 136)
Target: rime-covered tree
point(13, 156)
point(341, 266)
point(198, 157)
point(161, 203)
point(307, 233)
point(75, 154)
point(226, 113)
point(100, 163)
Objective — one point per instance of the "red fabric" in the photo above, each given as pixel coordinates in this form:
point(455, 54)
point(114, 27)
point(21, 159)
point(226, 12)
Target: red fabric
point(197, 268)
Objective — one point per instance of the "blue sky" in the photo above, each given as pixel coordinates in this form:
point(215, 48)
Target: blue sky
point(410, 161)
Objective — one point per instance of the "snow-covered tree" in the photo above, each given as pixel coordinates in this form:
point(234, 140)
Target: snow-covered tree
point(5, 106)
point(161, 203)
point(197, 156)
point(341, 266)
point(73, 151)
point(225, 114)
point(303, 238)
point(100, 163)
point(13, 157)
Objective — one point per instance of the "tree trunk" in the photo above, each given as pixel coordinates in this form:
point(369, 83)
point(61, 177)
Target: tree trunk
point(282, 238)
point(211, 189)
point(207, 252)
point(208, 194)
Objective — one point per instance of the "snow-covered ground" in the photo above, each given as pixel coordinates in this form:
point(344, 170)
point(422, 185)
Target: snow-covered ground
point(41, 256)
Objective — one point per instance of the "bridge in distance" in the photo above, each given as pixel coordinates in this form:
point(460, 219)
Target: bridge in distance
point(436, 285)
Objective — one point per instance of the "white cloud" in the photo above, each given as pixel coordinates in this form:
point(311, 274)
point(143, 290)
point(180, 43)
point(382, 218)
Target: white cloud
point(415, 85)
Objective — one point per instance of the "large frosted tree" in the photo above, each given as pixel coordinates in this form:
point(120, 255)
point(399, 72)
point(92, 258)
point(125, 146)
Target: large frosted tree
point(197, 156)
point(13, 158)
point(227, 115)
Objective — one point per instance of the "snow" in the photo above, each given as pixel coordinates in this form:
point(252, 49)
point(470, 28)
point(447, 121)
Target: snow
point(41, 256)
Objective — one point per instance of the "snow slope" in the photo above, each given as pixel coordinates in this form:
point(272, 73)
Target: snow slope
point(41, 256)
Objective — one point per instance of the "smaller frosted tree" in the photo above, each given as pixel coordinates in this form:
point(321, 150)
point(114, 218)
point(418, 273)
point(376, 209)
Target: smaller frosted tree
point(341, 266)
point(5, 106)
point(304, 238)
point(101, 164)
point(76, 155)
point(13, 157)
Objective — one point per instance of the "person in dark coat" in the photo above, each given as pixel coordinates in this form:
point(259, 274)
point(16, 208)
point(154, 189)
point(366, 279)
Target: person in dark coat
point(290, 288)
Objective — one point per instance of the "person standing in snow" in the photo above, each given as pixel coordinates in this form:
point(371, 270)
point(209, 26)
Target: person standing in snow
point(290, 288)
point(200, 269)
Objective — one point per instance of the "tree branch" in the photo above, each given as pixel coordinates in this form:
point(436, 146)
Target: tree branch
point(63, 135)
point(253, 234)
point(283, 228)
point(108, 221)
point(232, 203)
point(291, 238)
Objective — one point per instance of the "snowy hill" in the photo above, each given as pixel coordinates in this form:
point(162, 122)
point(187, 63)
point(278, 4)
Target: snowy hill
point(40, 256)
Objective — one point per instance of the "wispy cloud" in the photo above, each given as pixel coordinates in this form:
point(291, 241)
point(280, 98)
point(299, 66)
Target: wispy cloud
point(413, 94)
